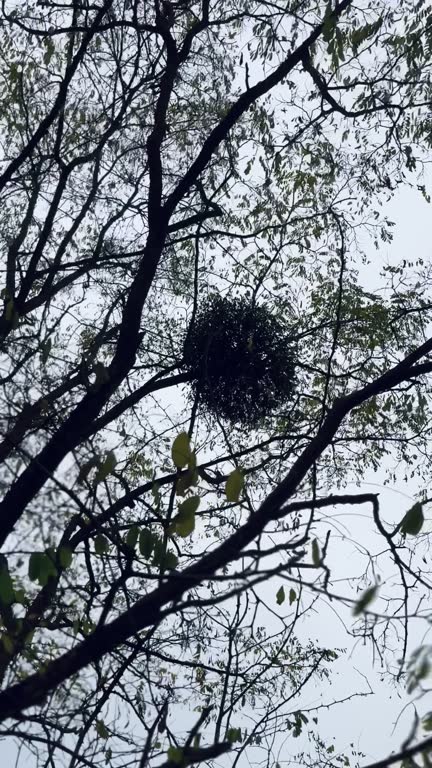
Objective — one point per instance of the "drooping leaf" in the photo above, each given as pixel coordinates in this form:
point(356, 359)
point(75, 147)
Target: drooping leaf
point(156, 494)
point(159, 550)
point(292, 596)
point(11, 314)
point(233, 735)
point(234, 485)
point(46, 349)
point(34, 565)
point(170, 560)
point(184, 521)
point(20, 596)
point(86, 468)
point(146, 542)
point(7, 595)
point(186, 525)
point(189, 506)
point(185, 482)
point(419, 668)
point(280, 596)
point(175, 755)
point(427, 722)
point(365, 600)
point(413, 521)
point(65, 556)
point(41, 568)
point(329, 23)
point(50, 49)
point(101, 544)
point(8, 643)
point(360, 34)
point(316, 552)
point(132, 536)
point(181, 450)
point(107, 466)
point(101, 729)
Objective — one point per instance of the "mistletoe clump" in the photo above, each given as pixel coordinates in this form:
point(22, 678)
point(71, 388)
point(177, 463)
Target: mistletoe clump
point(241, 359)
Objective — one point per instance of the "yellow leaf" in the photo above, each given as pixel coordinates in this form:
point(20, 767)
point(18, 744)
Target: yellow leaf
point(234, 485)
point(181, 450)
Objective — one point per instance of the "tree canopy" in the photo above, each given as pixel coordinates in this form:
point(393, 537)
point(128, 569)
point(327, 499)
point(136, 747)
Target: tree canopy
point(159, 556)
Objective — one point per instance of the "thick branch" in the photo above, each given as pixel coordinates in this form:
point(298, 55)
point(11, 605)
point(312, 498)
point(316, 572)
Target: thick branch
point(148, 611)
point(71, 433)
point(405, 754)
point(241, 105)
point(59, 102)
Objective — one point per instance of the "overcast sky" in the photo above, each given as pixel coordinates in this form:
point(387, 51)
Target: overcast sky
point(367, 722)
point(370, 722)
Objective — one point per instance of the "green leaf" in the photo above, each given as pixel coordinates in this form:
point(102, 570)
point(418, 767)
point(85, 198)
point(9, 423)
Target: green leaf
point(175, 755)
point(280, 596)
point(420, 673)
point(363, 33)
point(292, 596)
point(159, 550)
point(107, 466)
point(189, 506)
point(46, 349)
point(233, 735)
point(340, 44)
point(413, 521)
point(41, 568)
point(328, 24)
point(101, 544)
point(184, 521)
point(132, 536)
point(427, 722)
point(234, 485)
point(50, 48)
point(181, 450)
point(9, 310)
point(156, 493)
point(86, 468)
point(170, 561)
point(20, 596)
point(146, 542)
point(8, 644)
point(64, 555)
point(7, 594)
point(185, 482)
point(101, 729)
point(365, 600)
point(316, 553)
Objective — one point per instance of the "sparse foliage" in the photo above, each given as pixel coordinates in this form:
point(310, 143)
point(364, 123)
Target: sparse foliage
point(169, 487)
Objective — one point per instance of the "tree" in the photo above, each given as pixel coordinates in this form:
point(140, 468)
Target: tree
point(156, 556)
